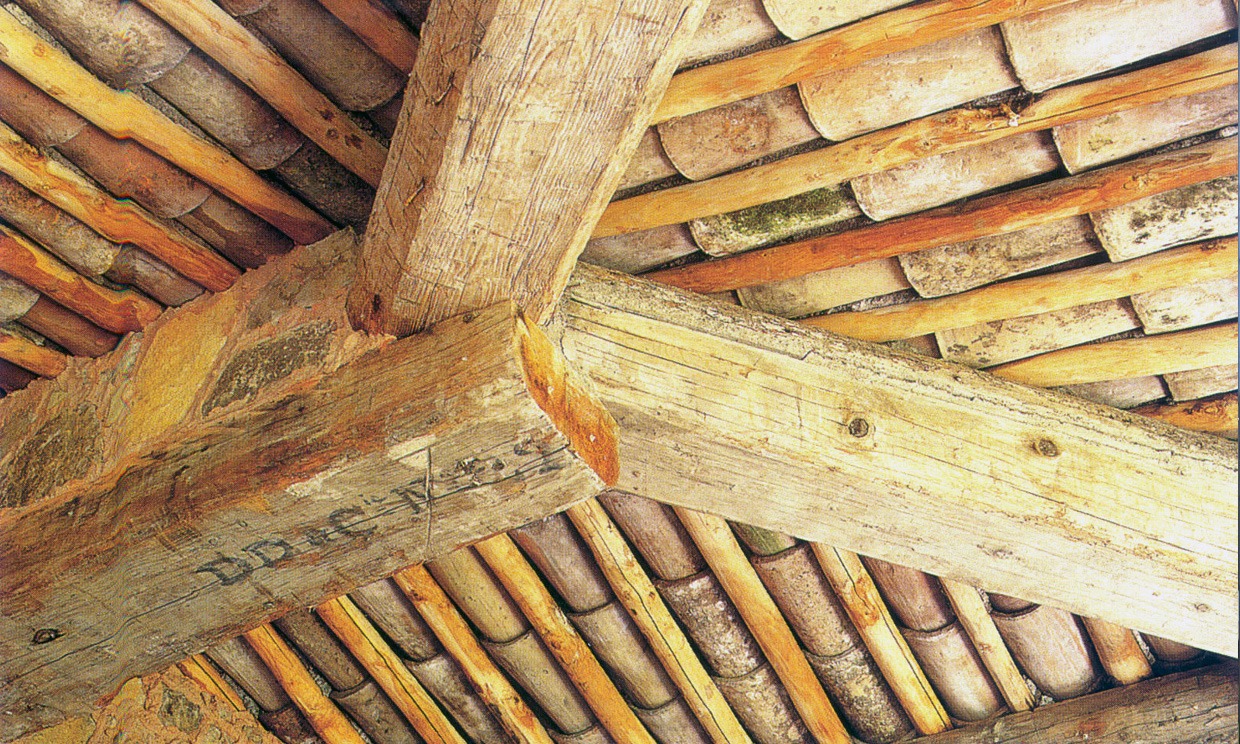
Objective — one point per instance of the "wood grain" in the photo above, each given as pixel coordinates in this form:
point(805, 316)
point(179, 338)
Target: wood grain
point(519, 120)
point(991, 215)
point(973, 616)
point(929, 135)
point(31, 356)
point(208, 27)
point(712, 400)
point(1217, 414)
point(125, 115)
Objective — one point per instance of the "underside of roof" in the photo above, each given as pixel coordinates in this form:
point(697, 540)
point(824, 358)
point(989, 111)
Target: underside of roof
point(893, 397)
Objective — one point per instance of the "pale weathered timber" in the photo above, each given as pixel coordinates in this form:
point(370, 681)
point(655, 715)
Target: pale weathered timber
point(1023, 336)
point(728, 27)
point(211, 29)
point(1028, 207)
point(575, 657)
point(288, 669)
point(454, 633)
point(752, 227)
point(1131, 357)
point(1199, 383)
point(1127, 392)
point(710, 142)
point(715, 85)
point(1206, 300)
point(800, 19)
point(1092, 142)
point(121, 221)
point(1083, 38)
point(1197, 707)
point(1118, 651)
point(938, 179)
point(378, 26)
point(633, 253)
point(499, 166)
point(637, 593)
point(957, 267)
point(123, 114)
point(1052, 648)
point(929, 135)
point(253, 387)
point(908, 84)
point(825, 409)
point(1192, 212)
point(822, 290)
point(1156, 282)
point(374, 653)
point(648, 164)
point(722, 551)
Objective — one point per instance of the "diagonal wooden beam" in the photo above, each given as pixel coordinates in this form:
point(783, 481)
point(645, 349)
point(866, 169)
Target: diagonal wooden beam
point(518, 122)
point(915, 461)
point(250, 453)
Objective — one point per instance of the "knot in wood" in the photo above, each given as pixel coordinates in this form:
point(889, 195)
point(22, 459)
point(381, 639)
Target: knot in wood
point(46, 635)
point(1046, 448)
point(859, 427)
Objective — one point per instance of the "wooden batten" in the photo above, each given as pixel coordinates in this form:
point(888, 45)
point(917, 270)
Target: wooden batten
point(1128, 392)
point(482, 160)
point(121, 221)
point(1021, 337)
point(1154, 281)
point(123, 114)
point(1119, 652)
point(119, 312)
point(478, 594)
point(1197, 706)
point(443, 677)
point(76, 334)
point(203, 672)
point(637, 593)
point(618, 643)
point(729, 27)
point(323, 715)
point(1217, 414)
point(379, 28)
point(722, 551)
point(648, 164)
point(1058, 45)
point(1149, 355)
point(958, 267)
point(764, 71)
point(1052, 648)
point(907, 85)
point(88, 252)
point(1193, 212)
point(458, 640)
point(328, 53)
point(1194, 384)
point(534, 670)
point(244, 666)
point(388, 608)
point(1092, 142)
point(615, 326)
point(939, 179)
point(974, 617)
point(311, 637)
point(753, 227)
point(31, 356)
point(711, 142)
point(935, 134)
point(366, 644)
point(1187, 306)
point(833, 647)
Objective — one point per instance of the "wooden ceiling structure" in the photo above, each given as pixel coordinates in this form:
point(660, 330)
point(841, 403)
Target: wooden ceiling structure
point(532, 499)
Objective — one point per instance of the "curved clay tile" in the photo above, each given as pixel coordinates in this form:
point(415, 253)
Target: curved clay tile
point(375, 714)
point(1049, 644)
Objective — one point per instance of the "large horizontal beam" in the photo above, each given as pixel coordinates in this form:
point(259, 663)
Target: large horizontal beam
point(251, 453)
point(1195, 707)
point(919, 462)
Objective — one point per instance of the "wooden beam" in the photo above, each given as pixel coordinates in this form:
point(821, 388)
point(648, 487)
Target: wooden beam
point(915, 461)
point(519, 120)
point(255, 454)
point(1194, 707)
point(976, 218)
